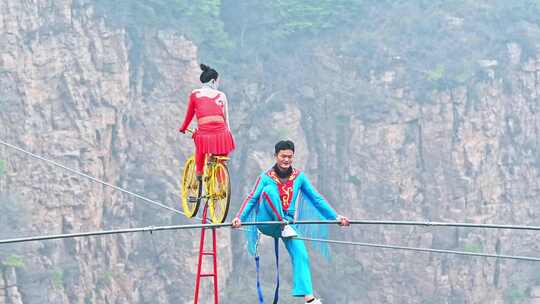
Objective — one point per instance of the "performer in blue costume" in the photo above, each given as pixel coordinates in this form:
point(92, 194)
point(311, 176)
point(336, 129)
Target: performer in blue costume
point(284, 193)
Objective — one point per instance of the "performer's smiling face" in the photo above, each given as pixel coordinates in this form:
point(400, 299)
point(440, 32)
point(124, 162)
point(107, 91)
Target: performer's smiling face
point(284, 159)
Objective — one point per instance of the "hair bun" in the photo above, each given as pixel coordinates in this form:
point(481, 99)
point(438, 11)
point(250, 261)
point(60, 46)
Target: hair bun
point(204, 67)
point(207, 73)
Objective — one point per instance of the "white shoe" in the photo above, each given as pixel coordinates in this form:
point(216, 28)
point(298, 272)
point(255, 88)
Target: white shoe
point(288, 232)
point(316, 301)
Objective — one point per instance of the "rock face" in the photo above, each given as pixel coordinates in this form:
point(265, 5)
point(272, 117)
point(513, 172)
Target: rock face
point(102, 101)
point(77, 91)
point(468, 154)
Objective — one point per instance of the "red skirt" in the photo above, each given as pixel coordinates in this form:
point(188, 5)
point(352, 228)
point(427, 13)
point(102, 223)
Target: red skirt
point(213, 138)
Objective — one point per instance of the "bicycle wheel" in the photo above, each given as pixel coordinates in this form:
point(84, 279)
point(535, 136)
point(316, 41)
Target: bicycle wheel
point(220, 193)
point(190, 189)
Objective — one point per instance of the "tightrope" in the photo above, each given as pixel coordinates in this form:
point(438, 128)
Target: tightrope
point(430, 250)
point(144, 199)
point(151, 229)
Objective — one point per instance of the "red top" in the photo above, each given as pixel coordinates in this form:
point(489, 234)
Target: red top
point(285, 189)
point(202, 106)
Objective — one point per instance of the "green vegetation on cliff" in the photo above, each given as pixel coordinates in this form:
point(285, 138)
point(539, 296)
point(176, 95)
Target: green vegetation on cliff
point(442, 44)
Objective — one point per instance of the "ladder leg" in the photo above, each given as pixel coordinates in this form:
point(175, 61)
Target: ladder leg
point(199, 266)
point(215, 266)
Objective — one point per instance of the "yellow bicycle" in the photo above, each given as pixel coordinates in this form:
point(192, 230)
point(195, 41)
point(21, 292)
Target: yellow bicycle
point(216, 184)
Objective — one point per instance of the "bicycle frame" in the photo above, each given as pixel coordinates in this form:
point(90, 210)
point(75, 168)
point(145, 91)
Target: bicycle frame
point(215, 183)
point(209, 171)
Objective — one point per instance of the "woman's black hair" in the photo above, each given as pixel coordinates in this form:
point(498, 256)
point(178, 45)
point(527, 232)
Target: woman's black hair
point(284, 145)
point(208, 73)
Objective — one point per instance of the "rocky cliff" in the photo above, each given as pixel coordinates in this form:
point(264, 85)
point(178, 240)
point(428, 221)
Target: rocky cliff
point(80, 92)
point(467, 153)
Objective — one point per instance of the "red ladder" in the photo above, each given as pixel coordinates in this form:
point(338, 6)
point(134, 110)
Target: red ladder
point(203, 253)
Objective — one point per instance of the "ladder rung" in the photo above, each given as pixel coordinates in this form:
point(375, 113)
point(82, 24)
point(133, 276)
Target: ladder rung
point(207, 275)
point(208, 253)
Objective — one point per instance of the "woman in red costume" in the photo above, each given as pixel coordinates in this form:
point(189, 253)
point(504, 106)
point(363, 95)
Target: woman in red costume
point(213, 135)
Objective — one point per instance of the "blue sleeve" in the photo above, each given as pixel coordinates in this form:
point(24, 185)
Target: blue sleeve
point(318, 201)
point(252, 199)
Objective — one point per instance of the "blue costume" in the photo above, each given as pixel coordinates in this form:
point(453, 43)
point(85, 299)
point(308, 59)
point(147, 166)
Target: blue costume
point(294, 199)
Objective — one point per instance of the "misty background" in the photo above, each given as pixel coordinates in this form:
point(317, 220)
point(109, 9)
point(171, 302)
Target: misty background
point(400, 110)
